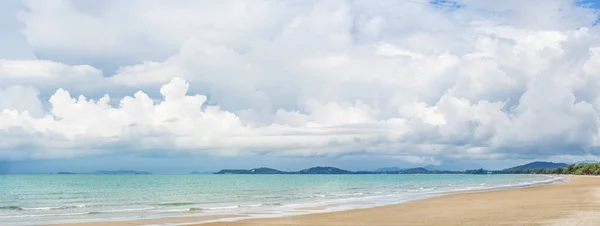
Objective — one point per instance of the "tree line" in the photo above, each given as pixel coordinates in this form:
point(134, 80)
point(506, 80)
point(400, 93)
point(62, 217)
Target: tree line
point(574, 169)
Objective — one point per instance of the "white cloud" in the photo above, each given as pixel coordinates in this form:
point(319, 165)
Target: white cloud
point(486, 81)
point(29, 70)
point(46, 76)
point(424, 160)
point(22, 99)
point(13, 45)
point(184, 122)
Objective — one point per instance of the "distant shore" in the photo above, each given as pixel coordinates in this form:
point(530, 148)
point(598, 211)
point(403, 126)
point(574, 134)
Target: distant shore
point(575, 202)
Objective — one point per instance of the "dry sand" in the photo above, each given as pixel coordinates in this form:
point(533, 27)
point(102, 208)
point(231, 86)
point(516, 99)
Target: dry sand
point(573, 203)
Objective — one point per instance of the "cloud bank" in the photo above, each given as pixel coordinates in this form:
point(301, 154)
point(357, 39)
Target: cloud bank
point(417, 81)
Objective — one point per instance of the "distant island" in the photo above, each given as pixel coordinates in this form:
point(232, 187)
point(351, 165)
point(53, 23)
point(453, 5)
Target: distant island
point(389, 169)
point(537, 167)
point(197, 172)
point(331, 170)
point(529, 168)
point(119, 172)
point(65, 173)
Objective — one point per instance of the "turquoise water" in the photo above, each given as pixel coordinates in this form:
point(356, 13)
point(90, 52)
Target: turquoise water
point(45, 199)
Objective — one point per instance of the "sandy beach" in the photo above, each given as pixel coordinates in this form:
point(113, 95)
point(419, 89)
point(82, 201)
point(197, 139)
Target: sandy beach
point(575, 202)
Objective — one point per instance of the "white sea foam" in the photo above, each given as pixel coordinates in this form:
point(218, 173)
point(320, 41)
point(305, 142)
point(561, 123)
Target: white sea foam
point(125, 210)
point(44, 215)
point(223, 207)
point(283, 200)
point(342, 204)
point(53, 208)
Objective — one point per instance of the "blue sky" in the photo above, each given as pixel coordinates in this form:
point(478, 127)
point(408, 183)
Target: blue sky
point(592, 3)
point(178, 86)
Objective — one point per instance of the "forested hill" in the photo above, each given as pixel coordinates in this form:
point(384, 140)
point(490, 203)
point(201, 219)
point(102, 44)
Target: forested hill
point(530, 168)
point(262, 170)
point(537, 165)
point(575, 169)
point(331, 170)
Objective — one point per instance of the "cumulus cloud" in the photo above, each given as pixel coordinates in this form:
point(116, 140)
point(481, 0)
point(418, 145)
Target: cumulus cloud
point(46, 76)
point(22, 99)
point(184, 122)
point(414, 80)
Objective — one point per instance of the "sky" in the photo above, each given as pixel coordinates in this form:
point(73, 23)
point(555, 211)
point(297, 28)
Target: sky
point(178, 86)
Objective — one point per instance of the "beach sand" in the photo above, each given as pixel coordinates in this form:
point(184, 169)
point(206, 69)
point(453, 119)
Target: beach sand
point(576, 202)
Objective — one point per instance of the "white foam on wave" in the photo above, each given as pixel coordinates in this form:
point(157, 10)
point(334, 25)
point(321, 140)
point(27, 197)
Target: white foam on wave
point(45, 215)
point(319, 203)
point(370, 201)
point(349, 194)
point(54, 207)
point(222, 207)
point(125, 210)
point(179, 210)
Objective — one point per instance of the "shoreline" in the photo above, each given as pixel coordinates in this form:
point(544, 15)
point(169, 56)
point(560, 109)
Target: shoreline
point(575, 202)
point(323, 218)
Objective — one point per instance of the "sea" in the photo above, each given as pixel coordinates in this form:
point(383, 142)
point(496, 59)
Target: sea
point(53, 199)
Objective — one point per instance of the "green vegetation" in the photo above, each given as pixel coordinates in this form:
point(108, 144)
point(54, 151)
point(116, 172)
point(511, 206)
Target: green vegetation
point(575, 169)
point(529, 168)
point(478, 171)
point(537, 165)
point(333, 170)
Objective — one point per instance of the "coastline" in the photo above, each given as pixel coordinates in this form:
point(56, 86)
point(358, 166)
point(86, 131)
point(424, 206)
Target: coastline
point(573, 202)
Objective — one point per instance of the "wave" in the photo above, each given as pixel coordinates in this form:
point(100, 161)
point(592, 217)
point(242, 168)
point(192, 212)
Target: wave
point(241, 206)
point(224, 207)
point(85, 206)
point(41, 208)
point(275, 197)
point(349, 194)
point(174, 204)
point(122, 210)
point(330, 201)
point(271, 204)
point(10, 208)
point(263, 204)
point(64, 214)
point(195, 209)
point(46, 215)
point(53, 208)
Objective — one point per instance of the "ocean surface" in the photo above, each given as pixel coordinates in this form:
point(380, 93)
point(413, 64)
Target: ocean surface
point(47, 199)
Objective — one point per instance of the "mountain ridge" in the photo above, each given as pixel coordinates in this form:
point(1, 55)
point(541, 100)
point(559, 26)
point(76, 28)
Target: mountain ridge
point(536, 165)
point(330, 170)
point(388, 169)
point(120, 172)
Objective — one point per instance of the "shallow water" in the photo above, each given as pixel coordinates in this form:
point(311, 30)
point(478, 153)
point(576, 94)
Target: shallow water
point(44, 199)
